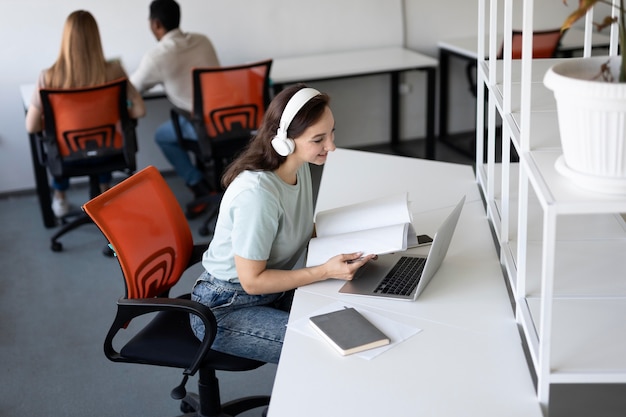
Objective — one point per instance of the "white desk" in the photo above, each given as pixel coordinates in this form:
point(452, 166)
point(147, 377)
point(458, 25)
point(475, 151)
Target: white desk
point(391, 60)
point(468, 358)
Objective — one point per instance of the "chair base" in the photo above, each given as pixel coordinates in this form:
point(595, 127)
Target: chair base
point(57, 246)
point(208, 403)
point(191, 403)
point(83, 219)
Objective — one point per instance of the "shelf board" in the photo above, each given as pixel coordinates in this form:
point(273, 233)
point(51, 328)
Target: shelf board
point(544, 130)
point(560, 194)
point(542, 99)
point(589, 267)
point(585, 344)
point(508, 258)
point(538, 68)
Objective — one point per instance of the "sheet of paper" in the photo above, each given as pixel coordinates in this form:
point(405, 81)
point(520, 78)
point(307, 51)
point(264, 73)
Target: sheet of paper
point(396, 331)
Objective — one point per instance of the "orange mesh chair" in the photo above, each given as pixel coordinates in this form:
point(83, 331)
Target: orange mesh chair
point(228, 106)
point(87, 131)
point(145, 225)
point(545, 45)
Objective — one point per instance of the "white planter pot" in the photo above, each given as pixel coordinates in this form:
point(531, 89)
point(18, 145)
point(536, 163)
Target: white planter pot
point(592, 123)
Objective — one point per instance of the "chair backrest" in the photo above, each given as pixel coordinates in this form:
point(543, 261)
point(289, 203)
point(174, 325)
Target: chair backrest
point(545, 44)
point(143, 222)
point(85, 124)
point(231, 100)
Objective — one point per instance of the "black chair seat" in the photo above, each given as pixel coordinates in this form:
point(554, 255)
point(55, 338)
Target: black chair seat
point(168, 340)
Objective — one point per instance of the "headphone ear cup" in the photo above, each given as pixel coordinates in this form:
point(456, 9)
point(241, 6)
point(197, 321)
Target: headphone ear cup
point(283, 146)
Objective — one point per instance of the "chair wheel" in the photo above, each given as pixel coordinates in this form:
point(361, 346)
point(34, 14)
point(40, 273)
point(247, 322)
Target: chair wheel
point(56, 246)
point(185, 407)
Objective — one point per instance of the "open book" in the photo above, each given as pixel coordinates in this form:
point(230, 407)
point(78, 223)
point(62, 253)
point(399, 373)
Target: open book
point(375, 226)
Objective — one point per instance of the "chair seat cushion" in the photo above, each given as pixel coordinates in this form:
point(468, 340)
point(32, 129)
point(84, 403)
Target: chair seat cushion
point(94, 167)
point(168, 340)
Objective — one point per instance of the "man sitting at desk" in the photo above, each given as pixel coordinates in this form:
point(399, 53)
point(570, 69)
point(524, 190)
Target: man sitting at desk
point(170, 64)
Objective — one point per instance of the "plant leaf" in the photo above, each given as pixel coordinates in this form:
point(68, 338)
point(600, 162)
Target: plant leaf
point(583, 7)
point(606, 22)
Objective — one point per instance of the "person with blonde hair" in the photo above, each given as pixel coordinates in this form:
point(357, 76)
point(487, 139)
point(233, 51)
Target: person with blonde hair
point(80, 63)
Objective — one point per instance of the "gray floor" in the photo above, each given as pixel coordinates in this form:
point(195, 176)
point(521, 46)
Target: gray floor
point(55, 309)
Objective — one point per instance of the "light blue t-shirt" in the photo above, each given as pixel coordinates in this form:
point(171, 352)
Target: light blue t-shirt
point(261, 218)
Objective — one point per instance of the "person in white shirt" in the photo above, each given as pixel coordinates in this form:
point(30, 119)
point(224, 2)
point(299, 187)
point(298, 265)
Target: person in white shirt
point(170, 64)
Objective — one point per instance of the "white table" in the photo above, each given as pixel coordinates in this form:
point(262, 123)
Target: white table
point(468, 358)
point(348, 64)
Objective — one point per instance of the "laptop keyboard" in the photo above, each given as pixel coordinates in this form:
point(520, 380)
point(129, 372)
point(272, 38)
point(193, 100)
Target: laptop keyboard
point(403, 277)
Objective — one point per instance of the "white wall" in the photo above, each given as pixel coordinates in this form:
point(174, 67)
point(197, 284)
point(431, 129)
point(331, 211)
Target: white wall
point(242, 30)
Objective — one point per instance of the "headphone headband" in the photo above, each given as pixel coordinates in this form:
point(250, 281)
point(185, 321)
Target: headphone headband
point(295, 103)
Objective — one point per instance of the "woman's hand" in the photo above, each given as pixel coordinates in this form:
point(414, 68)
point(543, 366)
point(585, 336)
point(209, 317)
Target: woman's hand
point(256, 279)
point(345, 266)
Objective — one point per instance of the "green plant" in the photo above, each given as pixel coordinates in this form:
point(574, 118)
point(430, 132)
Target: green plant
point(583, 7)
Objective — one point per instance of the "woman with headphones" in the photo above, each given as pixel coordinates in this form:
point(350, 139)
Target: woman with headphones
point(263, 227)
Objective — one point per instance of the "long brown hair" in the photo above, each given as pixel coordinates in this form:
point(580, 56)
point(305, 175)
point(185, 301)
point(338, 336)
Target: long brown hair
point(81, 61)
point(259, 154)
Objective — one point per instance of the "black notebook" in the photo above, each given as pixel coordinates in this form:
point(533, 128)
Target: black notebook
point(348, 331)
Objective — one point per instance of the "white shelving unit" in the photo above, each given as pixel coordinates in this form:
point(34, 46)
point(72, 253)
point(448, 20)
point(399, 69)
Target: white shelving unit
point(563, 248)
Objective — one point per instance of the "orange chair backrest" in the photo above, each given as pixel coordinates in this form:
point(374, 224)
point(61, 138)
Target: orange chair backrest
point(86, 122)
point(229, 96)
point(545, 44)
point(143, 222)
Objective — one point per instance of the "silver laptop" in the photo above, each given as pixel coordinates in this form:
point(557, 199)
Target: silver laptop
point(403, 276)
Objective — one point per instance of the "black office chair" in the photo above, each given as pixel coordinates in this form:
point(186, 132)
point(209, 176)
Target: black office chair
point(87, 132)
point(145, 225)
point(228, 106)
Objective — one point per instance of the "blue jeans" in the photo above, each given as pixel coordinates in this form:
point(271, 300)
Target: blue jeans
point(252, 326)
point(165, 137)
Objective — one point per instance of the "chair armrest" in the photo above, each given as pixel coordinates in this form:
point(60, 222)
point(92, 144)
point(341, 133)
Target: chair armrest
point(176, 113)
point(180, 112)
point(48, 154)
point(201, 145)
point(129, 309)
point(42, 156)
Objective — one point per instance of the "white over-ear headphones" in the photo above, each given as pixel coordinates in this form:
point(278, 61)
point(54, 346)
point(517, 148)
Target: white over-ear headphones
point(281, 143)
